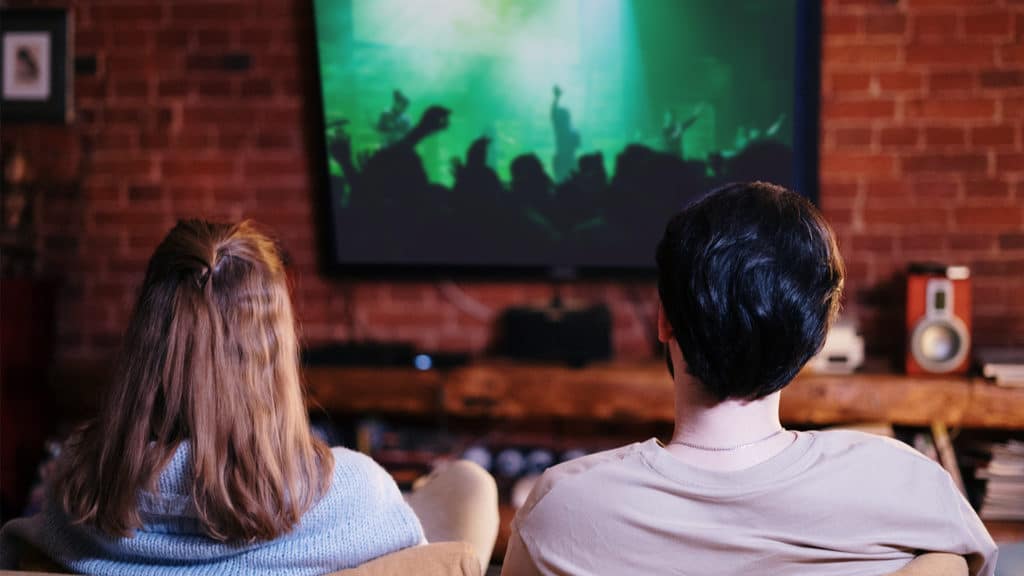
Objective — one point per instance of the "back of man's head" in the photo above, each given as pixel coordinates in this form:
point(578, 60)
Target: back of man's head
point(750, 280)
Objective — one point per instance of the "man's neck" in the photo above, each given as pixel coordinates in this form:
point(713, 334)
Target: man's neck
point(732, 435)
point(703, 420)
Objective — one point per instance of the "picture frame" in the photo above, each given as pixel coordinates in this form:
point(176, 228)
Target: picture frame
point(35, 65)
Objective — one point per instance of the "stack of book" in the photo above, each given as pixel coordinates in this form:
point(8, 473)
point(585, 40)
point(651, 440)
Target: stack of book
point(1004, 490)
point(1004, 365)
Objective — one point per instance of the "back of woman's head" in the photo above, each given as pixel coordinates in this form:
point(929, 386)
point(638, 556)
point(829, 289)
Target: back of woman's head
point(210, 358)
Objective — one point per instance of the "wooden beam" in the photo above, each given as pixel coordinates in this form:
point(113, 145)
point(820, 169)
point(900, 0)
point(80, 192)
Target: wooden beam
point(630, 392)
point(992, 406)
point(839, 399)
point(360, 389)
point(641, 392)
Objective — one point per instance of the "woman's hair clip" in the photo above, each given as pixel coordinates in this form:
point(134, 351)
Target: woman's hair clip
point(203, 277)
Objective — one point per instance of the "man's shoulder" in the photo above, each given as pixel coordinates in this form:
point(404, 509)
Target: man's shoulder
point(579, 469)
point(864, 455)
point(856, 443)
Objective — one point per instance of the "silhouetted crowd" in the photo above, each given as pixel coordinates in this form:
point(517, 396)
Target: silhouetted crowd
point(534, 217)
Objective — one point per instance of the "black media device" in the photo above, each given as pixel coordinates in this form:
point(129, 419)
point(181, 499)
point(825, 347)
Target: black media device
point(557, 334)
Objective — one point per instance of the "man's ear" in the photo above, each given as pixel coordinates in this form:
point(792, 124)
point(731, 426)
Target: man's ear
point(665, 333)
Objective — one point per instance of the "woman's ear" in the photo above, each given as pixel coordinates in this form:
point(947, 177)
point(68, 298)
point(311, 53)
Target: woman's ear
point(665, 333)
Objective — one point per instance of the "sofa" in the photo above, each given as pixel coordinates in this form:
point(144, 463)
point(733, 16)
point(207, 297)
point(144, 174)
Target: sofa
point(436, 559)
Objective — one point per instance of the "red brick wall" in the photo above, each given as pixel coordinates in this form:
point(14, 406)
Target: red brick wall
point(922, 158)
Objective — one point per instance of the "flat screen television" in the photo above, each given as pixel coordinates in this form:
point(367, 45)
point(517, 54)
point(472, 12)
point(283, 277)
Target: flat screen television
point(551, 137)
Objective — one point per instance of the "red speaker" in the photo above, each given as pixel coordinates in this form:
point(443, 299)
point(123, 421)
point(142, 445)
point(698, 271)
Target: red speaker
point(938, 319)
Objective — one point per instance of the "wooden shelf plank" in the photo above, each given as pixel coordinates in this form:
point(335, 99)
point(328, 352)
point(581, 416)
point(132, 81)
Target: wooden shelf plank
point(632, 392)
point(836, 399)
point(642, 392)
point(992, 406)
point(360, 389)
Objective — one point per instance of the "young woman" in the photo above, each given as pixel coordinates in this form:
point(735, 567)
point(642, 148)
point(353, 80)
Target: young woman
point(201, 459)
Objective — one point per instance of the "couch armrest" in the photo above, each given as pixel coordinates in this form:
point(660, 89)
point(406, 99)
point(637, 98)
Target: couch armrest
point(435, 559)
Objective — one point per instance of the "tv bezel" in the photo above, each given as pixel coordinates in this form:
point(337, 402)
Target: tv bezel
point(806, 117)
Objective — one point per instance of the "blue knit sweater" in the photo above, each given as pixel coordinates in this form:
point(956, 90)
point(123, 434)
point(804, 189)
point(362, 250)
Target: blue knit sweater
point(362, 516)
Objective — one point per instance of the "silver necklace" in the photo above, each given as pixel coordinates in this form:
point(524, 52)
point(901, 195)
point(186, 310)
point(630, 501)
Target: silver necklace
point(728, 448)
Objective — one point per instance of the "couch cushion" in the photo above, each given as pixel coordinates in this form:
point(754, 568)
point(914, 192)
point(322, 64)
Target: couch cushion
point(435, 559)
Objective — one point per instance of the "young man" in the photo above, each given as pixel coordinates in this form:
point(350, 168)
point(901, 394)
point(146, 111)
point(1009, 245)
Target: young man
point(749, 280)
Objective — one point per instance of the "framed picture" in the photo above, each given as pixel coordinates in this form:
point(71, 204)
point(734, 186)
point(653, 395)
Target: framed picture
point(35, 55)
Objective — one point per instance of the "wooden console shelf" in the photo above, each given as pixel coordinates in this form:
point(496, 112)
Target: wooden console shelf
point(642, 392)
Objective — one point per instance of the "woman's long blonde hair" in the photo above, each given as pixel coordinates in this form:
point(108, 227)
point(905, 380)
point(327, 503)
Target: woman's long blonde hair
point(210, 357)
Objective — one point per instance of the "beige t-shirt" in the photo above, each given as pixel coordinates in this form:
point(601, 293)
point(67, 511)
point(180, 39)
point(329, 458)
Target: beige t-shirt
point(832, 503)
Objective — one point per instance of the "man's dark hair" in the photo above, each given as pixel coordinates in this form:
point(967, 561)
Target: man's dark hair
point(750, 279)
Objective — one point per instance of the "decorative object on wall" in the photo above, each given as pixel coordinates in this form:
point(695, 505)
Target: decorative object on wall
point(35, 56)
point(16, 193)
point(17, 200)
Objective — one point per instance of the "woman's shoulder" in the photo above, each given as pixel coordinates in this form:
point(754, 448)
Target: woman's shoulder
point(355, 464)
point(357, 473)
point(363, 499)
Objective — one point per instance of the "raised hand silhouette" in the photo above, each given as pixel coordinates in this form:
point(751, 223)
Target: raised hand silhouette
point(339, 147)
point(434, 119)
point(477, 153)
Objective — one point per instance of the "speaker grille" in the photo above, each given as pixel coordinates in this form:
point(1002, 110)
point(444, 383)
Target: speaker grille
point(940, 344)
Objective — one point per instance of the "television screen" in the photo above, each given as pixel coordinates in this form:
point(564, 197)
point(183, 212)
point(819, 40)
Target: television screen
point(552, 135)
